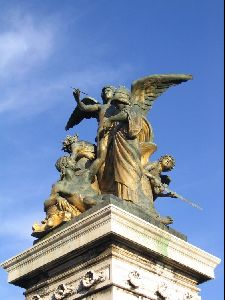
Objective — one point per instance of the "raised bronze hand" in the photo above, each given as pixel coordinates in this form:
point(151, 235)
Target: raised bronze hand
point(76, 94)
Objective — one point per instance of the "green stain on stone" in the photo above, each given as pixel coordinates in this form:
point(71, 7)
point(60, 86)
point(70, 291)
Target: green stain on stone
point(162, 246)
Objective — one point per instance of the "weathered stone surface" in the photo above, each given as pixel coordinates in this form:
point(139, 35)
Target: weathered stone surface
point(111, 254)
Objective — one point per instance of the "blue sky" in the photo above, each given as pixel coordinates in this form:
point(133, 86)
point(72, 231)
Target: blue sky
point(48, 46)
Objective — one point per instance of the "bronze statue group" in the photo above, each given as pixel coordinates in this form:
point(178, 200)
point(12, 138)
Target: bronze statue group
point(120, 162)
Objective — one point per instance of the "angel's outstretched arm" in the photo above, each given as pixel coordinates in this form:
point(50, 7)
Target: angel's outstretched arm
point(121, 116)
point(83, 106)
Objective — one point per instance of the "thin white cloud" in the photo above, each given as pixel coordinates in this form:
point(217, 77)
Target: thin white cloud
point(40, 96)
point(23, 45)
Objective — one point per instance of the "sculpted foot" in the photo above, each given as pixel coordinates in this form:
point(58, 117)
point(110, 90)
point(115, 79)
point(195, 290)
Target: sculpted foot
point(89, 202)
point(38, 227)
point(165, 220)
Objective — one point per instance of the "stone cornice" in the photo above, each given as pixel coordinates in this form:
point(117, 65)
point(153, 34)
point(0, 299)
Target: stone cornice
point(112, 220)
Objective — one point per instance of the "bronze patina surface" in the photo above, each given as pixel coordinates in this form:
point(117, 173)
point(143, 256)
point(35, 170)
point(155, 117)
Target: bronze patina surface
point(120, 162)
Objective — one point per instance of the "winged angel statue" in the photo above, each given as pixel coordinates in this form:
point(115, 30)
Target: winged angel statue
point(121, 162)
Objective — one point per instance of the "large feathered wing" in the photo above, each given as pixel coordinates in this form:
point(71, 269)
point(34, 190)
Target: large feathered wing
point(78, 115)
point(145, 90)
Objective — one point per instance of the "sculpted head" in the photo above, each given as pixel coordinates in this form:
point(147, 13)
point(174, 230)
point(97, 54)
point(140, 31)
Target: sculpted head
point(167, 162)
point(122, 96)
point(107, 93)
point(67, 143)
point(65, 163)
point(79, 149)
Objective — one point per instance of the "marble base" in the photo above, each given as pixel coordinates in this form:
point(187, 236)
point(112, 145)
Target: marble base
point(111, 254)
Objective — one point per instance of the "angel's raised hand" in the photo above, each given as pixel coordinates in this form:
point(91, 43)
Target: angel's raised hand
point(76, 94)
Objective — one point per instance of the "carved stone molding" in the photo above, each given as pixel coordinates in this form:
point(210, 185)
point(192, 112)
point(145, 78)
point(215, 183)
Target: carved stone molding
point(134, 279)
point(122, 243)
point(148, 235)
point(168, 292)
point(188, 296)
point(63, 291)
point(164, 291)
point(91, 278)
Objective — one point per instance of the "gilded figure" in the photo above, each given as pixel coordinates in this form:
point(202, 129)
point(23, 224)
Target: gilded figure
point(120, 163)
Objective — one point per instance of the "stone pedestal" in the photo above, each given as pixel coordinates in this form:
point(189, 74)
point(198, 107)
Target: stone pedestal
point(112, 252)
